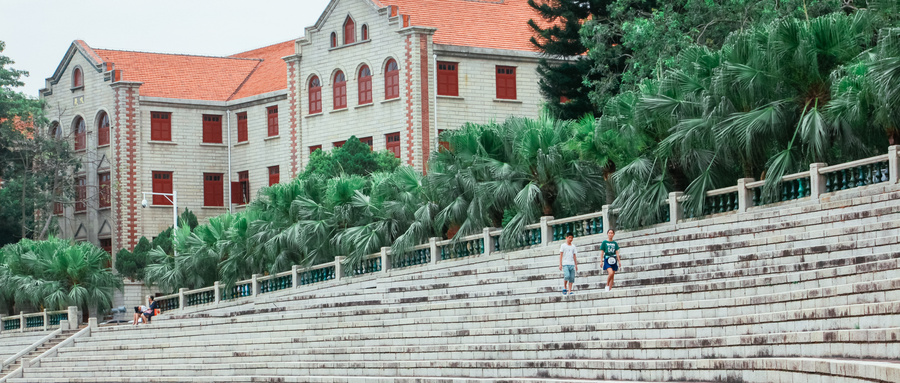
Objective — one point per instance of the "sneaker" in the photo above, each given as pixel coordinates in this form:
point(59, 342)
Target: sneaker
point(607, 288)
point(572, 292)
point(565, 291)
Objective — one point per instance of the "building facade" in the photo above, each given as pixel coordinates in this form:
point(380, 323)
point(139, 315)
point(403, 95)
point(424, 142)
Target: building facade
point(394, 73)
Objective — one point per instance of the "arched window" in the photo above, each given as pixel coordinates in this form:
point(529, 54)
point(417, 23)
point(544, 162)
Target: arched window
point(333, 39)
point(340, 90)
point(55, 131)
point(349, 31)
point(80, 134)
point(365, 32)
point(365, 85)
point(103, 129)
point(315, 95)
point(391, 80)
point(77, 78)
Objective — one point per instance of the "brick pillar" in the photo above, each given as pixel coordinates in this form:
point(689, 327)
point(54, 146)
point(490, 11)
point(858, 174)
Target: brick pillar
point(125, 168)
point(294, 86)
point(416, 86)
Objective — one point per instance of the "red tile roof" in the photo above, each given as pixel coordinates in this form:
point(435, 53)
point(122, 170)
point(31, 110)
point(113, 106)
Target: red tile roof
point(271, 75)
point(499, 24)
point(181, 76)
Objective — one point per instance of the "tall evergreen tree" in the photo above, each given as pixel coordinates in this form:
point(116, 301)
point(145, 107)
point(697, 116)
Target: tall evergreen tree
point(558, 37)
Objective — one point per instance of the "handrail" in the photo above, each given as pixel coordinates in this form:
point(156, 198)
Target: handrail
point(29, 349)
point(798, 184)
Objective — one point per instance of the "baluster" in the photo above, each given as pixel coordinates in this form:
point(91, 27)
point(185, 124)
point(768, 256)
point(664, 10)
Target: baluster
point(845, 179)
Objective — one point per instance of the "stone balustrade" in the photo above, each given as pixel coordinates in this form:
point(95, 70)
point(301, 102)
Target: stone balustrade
point(39, 321)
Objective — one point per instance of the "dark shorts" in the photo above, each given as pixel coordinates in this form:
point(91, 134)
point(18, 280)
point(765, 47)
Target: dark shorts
point(606, 265)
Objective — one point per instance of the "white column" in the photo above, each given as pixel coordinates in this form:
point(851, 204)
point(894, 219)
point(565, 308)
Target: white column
point(21, 321)
point(181, 298)
point(432, 243)
point(74, 319)
point(45, 320)
point(338, 267)
point(744, 198)
point(816, 180)
point(893, 163)
point(295, 276)
point(217, 292)
point(608, 220)
point(675, 208)
point(546, 237)
point(385, 259)
point(255, 284)
point(488, 241)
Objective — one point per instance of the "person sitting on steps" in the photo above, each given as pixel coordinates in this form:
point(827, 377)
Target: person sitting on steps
point(146, 312)
point(611, 263)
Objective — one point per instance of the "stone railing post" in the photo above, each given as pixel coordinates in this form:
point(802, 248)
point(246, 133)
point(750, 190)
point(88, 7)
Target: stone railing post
point(181, 298)
point(338, 267)
point(385, 259)
point(92, 323)
point(21, 321)
point(255, 284)
point(1, 323)
point(608, 220)
point(488, 241)
point(546, 235)
point(893, 163)
point(675, 209)
point(432, 244)
point(72, 315)
point(64, 325)
point(816, 180)
point(45, 320)
point(295, 276)
point(743, 194)
point(217, 292)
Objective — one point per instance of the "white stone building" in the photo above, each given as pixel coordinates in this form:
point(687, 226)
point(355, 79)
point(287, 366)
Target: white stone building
point(215, 129)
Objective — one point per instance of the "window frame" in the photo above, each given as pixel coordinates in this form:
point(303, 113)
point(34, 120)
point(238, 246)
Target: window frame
point(448, 78)
point(214, 189)
point(338, 144)
point(240, 190)
point(77, 78)
point(503, 80)
point(272, 120)
point(315, 95)
point(160, 126)
point(166, 178)
point(391, 80)
point(313, 148)
point(274, 177)
point(364, 88)
point(212, 129)
point(104, 182)
point(334, 39)
point(80, 130)
point(103, 129)
point(392, 141)
point(80, 194)
point(368, 141)
point(339, 90)
point(364, 32)
point(349, 29)
point(242, 134)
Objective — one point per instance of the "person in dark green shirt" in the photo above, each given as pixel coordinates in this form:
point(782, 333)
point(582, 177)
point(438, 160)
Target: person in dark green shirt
point(611, 263)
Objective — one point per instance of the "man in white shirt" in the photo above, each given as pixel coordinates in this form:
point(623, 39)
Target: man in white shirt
point(568, 264)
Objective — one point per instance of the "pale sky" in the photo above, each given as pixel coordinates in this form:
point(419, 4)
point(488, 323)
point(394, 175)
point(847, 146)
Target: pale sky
point(38, 32)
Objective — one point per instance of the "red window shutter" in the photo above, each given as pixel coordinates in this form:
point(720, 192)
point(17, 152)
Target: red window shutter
point(105, 196)
point(340, 91)
point(236, 194)
point(77, 78)
point(367, 141)
point(333, 39)
point(448, 79)
point(80, 134)
point(339, 144)
point(57, 208)
point(315, 96)
point(81, 194)
point(212, 129)
point(365, 32)
point(506, 82)
point(391, 80)
point(242, 127)
point(365, 86)
point(106, 245)
point(160, 126)
point(272, 120)
point(162, 183)
point(349, 31)
point(393, 143)
point(103, 130)
point(314, 148)
point(213, 190)
point(273, 175)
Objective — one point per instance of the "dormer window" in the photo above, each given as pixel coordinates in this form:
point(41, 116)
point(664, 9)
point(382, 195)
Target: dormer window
point(77, 78)
point(365, 32)
point(349, 31)
point(333, 39)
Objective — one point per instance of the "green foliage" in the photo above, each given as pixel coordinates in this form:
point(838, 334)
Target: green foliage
point(34, 167)
point(354, 157)
point(55, 274)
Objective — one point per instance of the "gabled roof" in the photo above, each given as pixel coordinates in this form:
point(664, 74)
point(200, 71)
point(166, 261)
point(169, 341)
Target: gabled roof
point(271, 74)
point(181, 76)
point(497, 24)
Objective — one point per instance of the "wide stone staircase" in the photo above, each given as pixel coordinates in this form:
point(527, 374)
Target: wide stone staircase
point(801, 291)
point(40, 349)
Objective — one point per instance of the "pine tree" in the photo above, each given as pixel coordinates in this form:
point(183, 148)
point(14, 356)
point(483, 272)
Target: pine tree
point(558, 36)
